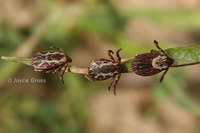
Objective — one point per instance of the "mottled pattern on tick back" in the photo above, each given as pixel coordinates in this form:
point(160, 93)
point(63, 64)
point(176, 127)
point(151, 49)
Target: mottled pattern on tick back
point(48, 59)
point(51, 61)
point(142, 64)
point(102, 69)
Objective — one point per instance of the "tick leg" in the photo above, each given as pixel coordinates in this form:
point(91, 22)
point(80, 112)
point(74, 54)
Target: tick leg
point(63, 72)
point(157, 45)
point(115, 84)
point(88, 77)
point(57, 69)
point(109, 54)
point(59, 49)
point(38, 70)
point(162, 76)
point(48, 71)
point(117, 54)
point(111, 82)
point(53, 70)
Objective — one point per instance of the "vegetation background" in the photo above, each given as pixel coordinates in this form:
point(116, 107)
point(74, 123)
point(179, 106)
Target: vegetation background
point(86, 29)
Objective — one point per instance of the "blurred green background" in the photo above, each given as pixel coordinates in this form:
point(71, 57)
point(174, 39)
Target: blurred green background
point(85, 30)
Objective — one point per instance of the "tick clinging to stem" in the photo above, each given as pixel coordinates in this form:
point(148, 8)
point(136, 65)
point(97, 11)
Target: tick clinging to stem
point(51, 61)
point(102, 69)
point(149, 64)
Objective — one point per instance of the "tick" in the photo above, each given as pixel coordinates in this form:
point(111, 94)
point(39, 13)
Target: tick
point(149, 64)
point(102, 69)
point(51, 61)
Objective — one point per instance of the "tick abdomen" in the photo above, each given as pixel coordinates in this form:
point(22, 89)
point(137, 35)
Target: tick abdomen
point(142, 64)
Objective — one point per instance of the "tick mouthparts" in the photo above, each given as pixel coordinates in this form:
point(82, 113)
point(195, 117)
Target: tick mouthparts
point(69, 59)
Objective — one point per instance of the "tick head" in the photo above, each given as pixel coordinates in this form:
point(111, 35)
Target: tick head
point(69, 59)
point(122, 68)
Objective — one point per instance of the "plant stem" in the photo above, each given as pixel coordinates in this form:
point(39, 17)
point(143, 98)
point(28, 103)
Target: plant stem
point(183, 56)
point(73, 69)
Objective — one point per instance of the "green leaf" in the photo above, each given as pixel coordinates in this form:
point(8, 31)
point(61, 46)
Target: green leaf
point(184, 55)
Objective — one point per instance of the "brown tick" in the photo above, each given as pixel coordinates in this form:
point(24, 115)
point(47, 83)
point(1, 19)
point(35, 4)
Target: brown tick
point(51, 61)
point(102, 69)
point(152, 63)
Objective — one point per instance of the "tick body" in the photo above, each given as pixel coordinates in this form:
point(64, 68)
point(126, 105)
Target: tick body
point(152, 63)
point(51, 61)
point(102, 69)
